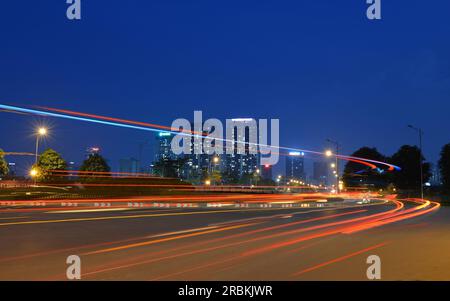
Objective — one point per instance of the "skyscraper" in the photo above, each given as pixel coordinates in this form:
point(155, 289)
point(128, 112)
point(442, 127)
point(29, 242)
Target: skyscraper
point(320, 173)
point(163, 147)
point(12, 169)
point(295, 166)
point(266, 172)
point(239, 164)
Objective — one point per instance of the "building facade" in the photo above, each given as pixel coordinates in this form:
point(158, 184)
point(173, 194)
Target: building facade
point(320, 173)
point(295, 166)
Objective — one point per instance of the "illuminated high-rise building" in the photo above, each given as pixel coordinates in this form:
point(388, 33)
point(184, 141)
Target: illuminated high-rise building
point(295, 166)
point(163, 147)
point(240, 164)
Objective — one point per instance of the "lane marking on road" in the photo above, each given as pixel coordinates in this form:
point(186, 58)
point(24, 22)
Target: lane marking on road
point(134, 216)
point(16, 217)
point(182, 232)
point(151, 259)
point(146, 243)
point(117, 242)
point(255, 231)
point(90, 210)
point(339, 259)
point(283, 216)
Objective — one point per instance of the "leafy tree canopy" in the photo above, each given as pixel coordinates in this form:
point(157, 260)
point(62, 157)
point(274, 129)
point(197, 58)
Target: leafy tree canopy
point(48, 161)
point(408, 159)
point(169, 168)
point(95, 163)
point(356, 174)
point(4, 170)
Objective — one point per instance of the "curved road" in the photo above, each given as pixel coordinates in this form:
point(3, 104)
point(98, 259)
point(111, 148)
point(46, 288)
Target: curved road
point(228, 243)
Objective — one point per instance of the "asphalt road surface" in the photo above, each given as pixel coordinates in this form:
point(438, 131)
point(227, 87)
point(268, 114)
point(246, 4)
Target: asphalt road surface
point(411, 238)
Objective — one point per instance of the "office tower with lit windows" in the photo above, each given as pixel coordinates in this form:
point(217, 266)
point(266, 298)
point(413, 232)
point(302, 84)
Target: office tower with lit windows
point(240, 164)
point(163, 147)
point(295, 166)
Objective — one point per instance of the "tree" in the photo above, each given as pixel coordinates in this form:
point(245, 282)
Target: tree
point(216, 177)
point(407, 158)
point(169, 168)
point(4, 170)
point(267, 182)
point(48, 162)
point(444, 166)
point(356, 174)
point(247, 179)
point(94, 163)
point(230, 177)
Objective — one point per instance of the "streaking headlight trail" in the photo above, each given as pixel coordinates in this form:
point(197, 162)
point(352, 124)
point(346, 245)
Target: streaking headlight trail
point(78, 116)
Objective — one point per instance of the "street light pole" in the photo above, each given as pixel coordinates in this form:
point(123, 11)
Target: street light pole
point(336, 144)
point(215, 160)
point(37, 149)
point(40, 133)
point(420, 132)
point(258, 171)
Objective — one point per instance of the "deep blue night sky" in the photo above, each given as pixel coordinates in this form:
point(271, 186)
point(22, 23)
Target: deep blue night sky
point(319, 66)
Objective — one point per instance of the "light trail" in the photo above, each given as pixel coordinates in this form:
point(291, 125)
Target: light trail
point(306, 238)
point(368, 222)
point(407, 214)
point(107, 173)
point(182, 236)
point(18, 154)
point(174, 186)
point(136, 261)
point(342, 258)
point(151, 127)
point(91, 246)
point(241, 234)
point(423, 207)
point(141, 260)
point(134, 216)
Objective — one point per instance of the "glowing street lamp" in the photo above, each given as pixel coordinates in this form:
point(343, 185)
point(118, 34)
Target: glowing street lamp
point(207, 182)
point(214, 160)
point(329, 153)
point(34, 172)
point(42, 131)
point(256, 175)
